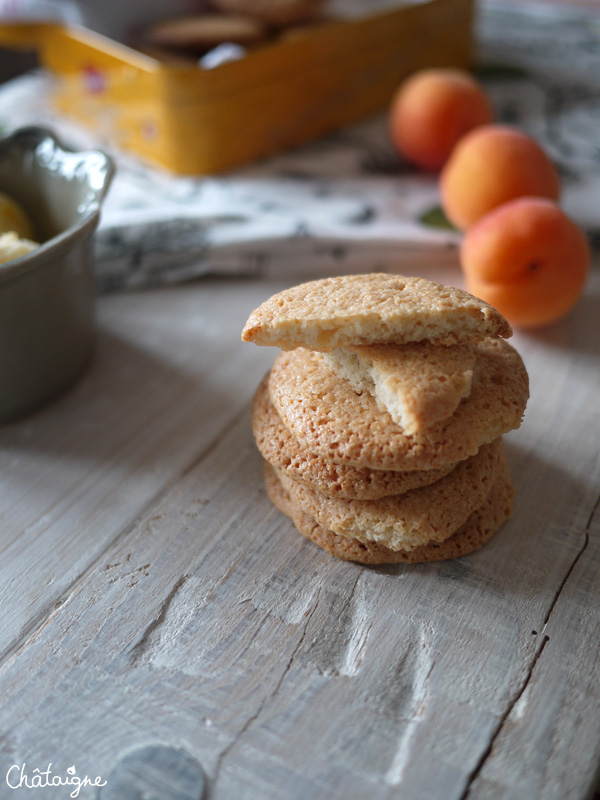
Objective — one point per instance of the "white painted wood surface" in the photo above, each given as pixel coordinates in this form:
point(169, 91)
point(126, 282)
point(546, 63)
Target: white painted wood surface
point(152, 596)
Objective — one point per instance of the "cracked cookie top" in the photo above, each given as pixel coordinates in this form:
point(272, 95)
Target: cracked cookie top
point(376, 308)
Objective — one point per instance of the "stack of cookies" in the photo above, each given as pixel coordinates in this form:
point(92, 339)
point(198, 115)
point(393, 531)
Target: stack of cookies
point(380, 423)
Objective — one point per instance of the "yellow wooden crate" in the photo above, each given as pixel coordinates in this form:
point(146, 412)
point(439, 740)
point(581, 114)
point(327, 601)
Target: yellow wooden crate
point(197, 121)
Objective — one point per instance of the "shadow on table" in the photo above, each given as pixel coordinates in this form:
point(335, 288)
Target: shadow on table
point(579, 331)
point(125, 403)
point(535, 548)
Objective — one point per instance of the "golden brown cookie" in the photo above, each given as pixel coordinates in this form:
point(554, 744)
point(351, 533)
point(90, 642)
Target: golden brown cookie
point(329, 418)
point(203, 31)
point(477, 530)
point(406, 521)
point(418, 384)
point(271, 12)
point(278, 446)
point(171, 56)
point(371, 309)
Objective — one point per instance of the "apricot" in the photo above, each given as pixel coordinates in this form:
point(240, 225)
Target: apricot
point(490, 166)
point(528, 259)
point(432, 110)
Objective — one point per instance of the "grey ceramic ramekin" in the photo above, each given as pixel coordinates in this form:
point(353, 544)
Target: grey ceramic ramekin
point(47, 297)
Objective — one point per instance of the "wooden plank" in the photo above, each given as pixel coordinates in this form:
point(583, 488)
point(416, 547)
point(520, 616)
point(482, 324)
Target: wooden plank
point(167, 377)
point(545, 743)
point(257, 639)
point(211, 626)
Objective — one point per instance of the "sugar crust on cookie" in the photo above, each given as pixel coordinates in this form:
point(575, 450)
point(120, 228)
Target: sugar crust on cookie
point(329, 418)
point(279, 447)
point(403, 522)
point(418, 384)
point(476, 531)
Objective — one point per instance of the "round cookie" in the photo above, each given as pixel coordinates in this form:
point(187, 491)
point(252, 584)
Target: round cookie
point(203, 31)
point(477, 530)
point(279, 447)
point(406, 521)
point(371, 309)
point(271, 12)
point(329, 418)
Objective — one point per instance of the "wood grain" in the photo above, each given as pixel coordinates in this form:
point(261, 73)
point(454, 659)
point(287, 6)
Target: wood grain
point(77, 475)
point(156, 598)
point(155, 773)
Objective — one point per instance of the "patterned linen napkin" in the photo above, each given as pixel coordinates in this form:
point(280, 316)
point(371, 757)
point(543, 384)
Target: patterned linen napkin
point(346, 203)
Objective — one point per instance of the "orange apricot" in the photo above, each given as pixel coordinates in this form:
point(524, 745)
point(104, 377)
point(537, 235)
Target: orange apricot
point(490, 166)
point(432, 110)
point(528, 259)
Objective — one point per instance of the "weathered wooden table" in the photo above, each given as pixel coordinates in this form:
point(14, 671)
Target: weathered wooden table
point(159, 617)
